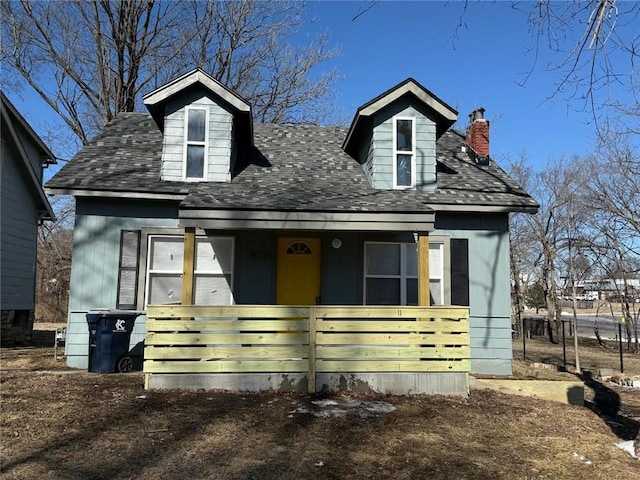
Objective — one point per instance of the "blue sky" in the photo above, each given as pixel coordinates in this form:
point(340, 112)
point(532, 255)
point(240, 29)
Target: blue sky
point(483, 66)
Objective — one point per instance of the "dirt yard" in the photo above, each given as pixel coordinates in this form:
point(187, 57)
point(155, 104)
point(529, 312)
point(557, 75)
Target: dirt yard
point(62, 424)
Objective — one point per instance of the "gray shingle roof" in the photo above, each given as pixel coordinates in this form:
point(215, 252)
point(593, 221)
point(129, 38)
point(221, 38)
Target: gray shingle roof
point(293, 167)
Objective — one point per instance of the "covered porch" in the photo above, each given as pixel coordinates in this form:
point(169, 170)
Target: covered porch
point(300, 344)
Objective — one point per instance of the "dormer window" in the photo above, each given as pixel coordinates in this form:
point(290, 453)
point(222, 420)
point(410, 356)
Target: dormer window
point(196, 128)
point(404, 153)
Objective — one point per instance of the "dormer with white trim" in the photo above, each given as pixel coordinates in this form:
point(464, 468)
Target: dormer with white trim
point(204, 125)
point(394, 137)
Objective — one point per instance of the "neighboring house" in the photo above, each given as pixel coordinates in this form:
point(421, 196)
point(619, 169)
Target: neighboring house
point(24, 205)
point(291, 214)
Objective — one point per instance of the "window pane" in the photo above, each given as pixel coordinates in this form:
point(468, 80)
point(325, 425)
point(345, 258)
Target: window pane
point(412, 259)
point(404, 142)
point(403, 170)
point(383, 291)
point(383, 259)
point(212, 290)
point(412, 291)
point(214, 255)
point(435, 260)
point(435, 287)
point(195, 161)
point(196, 126)
point(165, 288)
point(166, 253)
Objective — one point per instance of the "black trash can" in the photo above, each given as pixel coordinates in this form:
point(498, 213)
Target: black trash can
point(109, 337)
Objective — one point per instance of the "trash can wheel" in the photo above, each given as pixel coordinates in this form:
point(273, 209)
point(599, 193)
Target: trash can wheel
point(125, 364)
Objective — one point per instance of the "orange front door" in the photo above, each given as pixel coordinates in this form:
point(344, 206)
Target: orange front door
point(298, 275)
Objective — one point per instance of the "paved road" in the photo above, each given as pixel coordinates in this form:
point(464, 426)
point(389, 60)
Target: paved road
point(607, 325)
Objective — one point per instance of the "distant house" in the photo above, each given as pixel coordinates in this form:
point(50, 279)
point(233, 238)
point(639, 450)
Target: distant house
point(24, 205)
point(292, 214)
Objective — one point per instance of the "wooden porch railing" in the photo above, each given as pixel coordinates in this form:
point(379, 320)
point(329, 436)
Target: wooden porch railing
point(305, 339)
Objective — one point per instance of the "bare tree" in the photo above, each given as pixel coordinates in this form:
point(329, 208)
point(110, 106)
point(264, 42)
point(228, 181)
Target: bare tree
point(589, 48)
point(613, 192)
point(595, 46)
point(544, 227)
point(53, 269)
point(523, 249)
point(241, 44)
point(90, 60)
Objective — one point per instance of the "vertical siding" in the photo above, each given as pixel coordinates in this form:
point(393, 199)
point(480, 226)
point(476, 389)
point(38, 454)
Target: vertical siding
point(489, 286)
point(19, 223)
point(382, 146)
point(365, 156)
point(341, 270)
point(94, 267)
point(255, 267)
point(219, 138)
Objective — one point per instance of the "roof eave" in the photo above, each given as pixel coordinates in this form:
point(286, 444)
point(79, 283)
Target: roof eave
point(33, 178)
point(481, 208)
point(307, 220)
point(81, 192)
point(48, 156)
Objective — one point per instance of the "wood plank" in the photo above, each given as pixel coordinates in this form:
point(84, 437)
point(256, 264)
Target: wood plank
point(188, 265)
point(231, 326)
point(226, 366)
point(220, 352)
point(389, 326)
point(153, 338)
point(408, 312)
point(410, 352)
point(389, 339)
point(424, 298)
point(393, 366)
point(251, 311)
point(563, 391)
point(312, 351)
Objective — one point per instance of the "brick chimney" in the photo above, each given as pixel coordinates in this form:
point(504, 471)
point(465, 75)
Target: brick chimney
point(478, 134)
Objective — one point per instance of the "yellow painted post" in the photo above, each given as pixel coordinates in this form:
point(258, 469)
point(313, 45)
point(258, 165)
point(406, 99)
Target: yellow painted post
point(424, 297)
point(311, 374)
point(423, 270)
point(188, 265)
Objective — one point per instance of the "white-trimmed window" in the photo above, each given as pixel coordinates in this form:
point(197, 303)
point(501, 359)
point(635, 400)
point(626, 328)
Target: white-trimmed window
point(436, 273)
point(404, 152)
point(213, 270)
point(391, 273)
point(196, 132)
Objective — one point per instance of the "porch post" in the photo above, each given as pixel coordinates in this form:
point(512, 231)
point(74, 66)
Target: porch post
point(188, 265)
point(424, 299)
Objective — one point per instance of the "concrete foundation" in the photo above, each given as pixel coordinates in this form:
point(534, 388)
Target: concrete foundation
point(386, 383)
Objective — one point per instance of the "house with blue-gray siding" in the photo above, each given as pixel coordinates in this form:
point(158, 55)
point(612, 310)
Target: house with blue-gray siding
point(24, 206)
point(291, 214)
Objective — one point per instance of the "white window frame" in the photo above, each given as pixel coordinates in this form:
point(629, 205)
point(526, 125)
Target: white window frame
point(397, 152)
point(437, 273)
point(188, 143)
point(444, 272)
point(178, 272)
